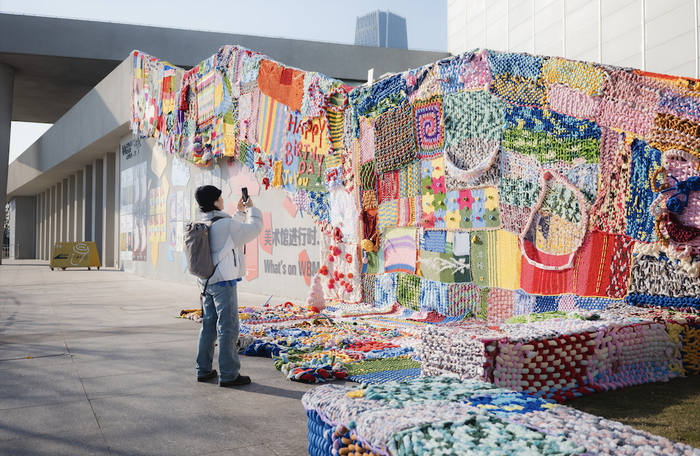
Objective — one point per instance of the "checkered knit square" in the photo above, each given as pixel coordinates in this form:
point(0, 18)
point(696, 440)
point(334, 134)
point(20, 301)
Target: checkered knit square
point(394, 139)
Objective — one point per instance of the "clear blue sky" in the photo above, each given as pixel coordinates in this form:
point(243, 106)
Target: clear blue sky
point(328, 20)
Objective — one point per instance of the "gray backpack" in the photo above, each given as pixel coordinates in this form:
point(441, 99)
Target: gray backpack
point(197, 249)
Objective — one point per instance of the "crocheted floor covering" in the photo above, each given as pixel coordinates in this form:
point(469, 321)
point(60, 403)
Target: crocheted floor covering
point(447, 416)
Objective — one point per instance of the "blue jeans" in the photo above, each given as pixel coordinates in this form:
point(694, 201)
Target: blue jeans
point(219, 318)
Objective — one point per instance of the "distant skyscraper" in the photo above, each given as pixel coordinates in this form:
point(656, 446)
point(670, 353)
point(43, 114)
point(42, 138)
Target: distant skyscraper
point(381, 29)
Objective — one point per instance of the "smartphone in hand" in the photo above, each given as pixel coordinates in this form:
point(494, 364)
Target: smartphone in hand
point(244, 193)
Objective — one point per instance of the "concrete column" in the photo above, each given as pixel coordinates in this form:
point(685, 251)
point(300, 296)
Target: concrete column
point(52, 218)
point(37, 237)
point(47, 223)
point(109, 193)
point(87, 205)
point(23, 226)
point(98, 204)
point(7, 81)
point(59, 212)
point(64, 210)
point(71, 208)
point(79, 223)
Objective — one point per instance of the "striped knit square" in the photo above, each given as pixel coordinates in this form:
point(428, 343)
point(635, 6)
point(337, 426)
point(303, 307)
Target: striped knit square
point(368, 282)
point(408, 290)
point(400, 250)
point(388, 186)
point(388, 215)
point(429, 123)
point(409, 211)
point(464, 299)
point(368, 178)
point(394, 139)
point(409, 180)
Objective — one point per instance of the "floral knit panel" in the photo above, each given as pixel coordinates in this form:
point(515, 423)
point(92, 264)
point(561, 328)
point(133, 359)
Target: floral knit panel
point(550, 136)
point(429, 123)
point(433, 191)
point(394, 139)
point(609, 213)
point(629, 102)
point(472, 163)
point(518, 189)
point(476, 114)
point(645, 162)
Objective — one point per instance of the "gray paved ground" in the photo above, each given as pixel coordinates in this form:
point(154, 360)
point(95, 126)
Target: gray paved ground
point(112, 372)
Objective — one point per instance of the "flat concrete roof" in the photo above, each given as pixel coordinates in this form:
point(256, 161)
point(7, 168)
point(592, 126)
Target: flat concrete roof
point(58, 61)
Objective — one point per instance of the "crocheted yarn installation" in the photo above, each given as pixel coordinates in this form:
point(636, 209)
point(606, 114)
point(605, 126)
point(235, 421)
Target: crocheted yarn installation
point(453, 417)
point(394, 139)
point(400, 250)
point(460, 171)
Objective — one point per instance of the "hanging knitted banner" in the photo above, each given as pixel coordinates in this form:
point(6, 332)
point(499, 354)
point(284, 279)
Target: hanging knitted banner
point(429, 123)
point(394, 139)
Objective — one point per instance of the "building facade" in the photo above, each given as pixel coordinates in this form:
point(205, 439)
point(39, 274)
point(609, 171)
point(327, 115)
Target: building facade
point(381, 29)
point(656, 36)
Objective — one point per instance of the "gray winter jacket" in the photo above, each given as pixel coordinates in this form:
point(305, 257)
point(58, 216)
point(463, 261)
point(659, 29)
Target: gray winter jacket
point(226, 240)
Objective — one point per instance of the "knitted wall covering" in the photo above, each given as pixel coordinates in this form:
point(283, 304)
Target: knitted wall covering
point(572, 102)
point(663, 278)
point(429, 123)
point(494, 259)
point(272, 126)
point(476, 114)
point(629, 103)
point(285, 85)
point(519, 90)
point(408, 290)
point(341, 279)
point(394, 139)
point(500, 306)
point(609, 211)
point(445, 267)
point(400, 250)
point(388, 186)
point(388, 215)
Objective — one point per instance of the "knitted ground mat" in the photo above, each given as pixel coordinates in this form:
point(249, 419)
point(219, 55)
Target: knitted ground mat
point(443, 415)
point(564, 357)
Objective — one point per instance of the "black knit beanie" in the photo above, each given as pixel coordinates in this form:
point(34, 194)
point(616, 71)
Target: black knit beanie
point(206, 196)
